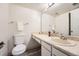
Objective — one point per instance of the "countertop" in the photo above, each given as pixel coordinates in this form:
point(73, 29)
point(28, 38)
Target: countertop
point(71, 50)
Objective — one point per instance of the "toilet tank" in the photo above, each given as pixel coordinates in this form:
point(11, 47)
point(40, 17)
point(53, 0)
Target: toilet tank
point(19, 39)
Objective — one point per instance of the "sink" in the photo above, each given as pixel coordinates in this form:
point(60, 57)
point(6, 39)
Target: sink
point(59, 41)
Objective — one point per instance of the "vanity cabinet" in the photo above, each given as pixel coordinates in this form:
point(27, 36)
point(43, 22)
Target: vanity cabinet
point(38, 40)
point(45, 49)
point(48, 49)
point(56, 52)
point(45, 52)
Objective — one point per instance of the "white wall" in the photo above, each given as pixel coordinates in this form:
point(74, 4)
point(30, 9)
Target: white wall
point(32, 17)
point(6, 28)
point(62, 23)
point(4, 16)
point(12, 29)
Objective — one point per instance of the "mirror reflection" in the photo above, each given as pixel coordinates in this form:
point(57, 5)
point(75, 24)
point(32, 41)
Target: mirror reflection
point(64, 16)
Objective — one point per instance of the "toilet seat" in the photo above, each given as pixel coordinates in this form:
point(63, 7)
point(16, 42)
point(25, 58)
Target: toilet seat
point(19, 49)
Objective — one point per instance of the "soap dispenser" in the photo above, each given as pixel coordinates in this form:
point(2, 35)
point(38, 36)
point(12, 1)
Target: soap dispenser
point(49, 33)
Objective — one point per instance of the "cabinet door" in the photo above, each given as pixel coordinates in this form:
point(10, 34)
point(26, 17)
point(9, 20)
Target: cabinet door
point(45, 52)
point(46, 45)
point(56, 52)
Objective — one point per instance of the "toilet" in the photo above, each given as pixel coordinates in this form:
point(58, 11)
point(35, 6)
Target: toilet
point(20, 46)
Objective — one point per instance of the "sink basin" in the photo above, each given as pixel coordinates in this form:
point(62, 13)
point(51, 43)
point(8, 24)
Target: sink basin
point(62, 42)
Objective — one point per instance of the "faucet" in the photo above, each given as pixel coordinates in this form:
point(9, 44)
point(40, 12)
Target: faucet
point(63, 37)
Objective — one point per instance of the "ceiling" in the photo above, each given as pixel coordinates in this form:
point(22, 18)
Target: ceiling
point(56, 9)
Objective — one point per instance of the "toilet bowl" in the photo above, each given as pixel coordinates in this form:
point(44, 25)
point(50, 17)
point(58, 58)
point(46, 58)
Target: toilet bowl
point(19, 43)
point(19, 49)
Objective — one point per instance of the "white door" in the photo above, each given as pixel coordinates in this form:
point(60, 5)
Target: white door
point(75, 22)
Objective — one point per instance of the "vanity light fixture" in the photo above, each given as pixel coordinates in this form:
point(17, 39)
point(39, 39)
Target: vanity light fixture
point(50, 4)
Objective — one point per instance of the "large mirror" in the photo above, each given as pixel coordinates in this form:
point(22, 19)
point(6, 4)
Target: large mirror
point(64, 18)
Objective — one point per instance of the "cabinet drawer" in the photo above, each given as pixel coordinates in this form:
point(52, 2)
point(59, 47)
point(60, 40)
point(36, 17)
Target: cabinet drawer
point(56, 52)
point(45, 52)
point(46, 45)
point(38, 40)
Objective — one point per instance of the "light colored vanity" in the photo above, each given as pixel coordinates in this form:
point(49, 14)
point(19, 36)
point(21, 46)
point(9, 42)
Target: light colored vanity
point(48, 47)
point(45, 47)
point(49, 50)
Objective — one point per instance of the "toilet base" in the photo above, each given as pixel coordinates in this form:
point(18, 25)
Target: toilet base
point(31, 52)
point(23, 54)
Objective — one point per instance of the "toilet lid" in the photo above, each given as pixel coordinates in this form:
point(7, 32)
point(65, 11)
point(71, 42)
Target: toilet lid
point(19, 49)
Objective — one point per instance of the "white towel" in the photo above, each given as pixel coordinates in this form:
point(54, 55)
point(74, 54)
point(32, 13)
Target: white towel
point(20, 26)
